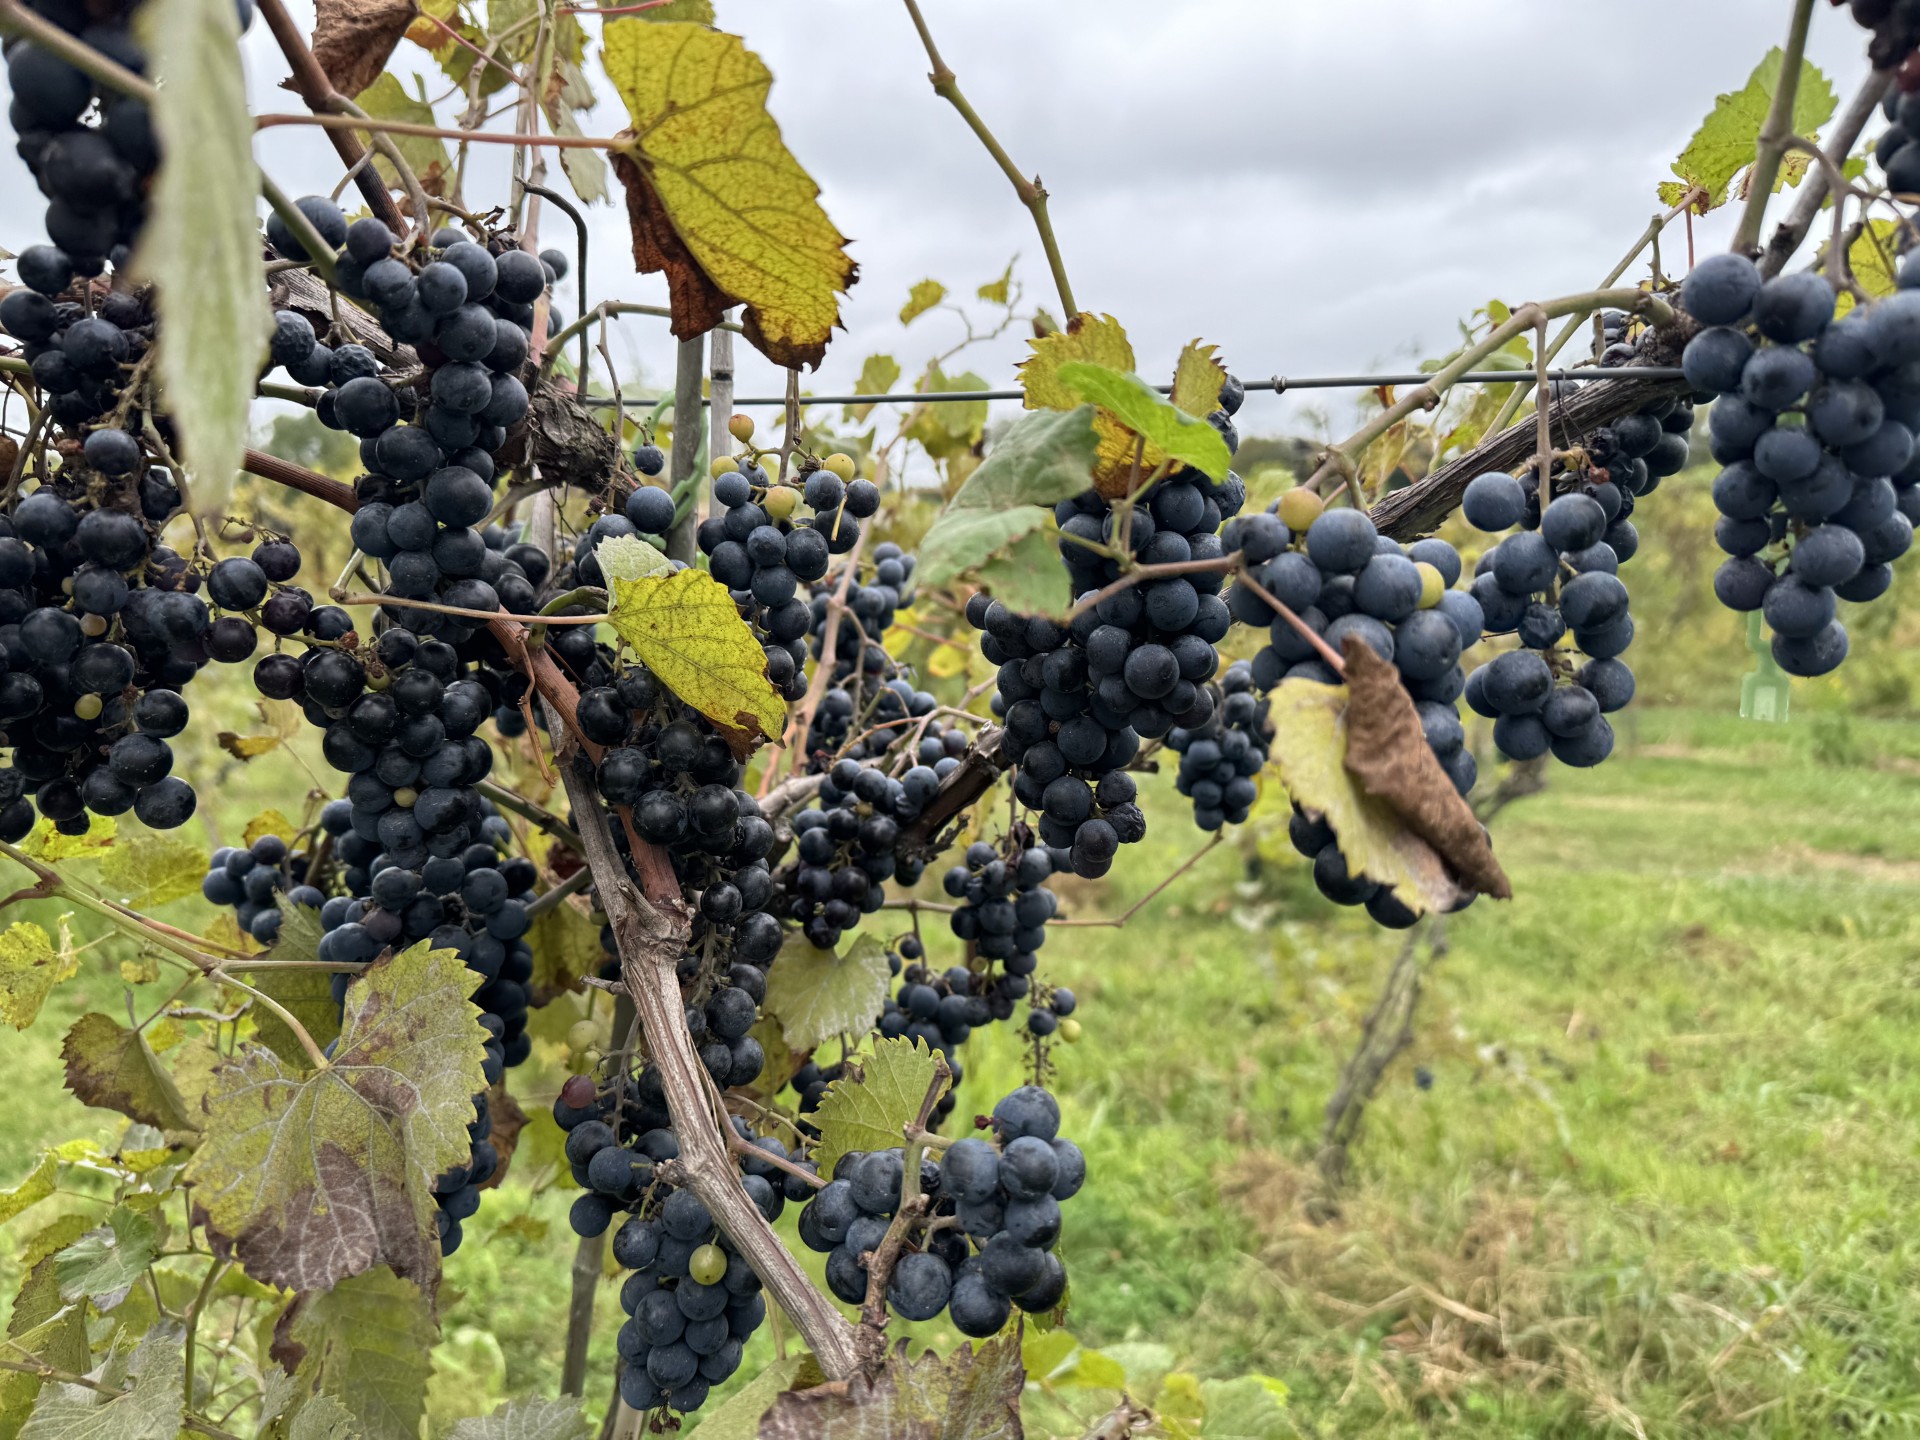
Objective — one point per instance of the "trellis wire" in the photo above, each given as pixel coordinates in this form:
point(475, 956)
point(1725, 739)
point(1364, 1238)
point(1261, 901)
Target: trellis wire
point(1278, 384)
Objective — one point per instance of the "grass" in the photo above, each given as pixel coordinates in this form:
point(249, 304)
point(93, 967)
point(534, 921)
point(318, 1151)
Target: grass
point(1662, 1182)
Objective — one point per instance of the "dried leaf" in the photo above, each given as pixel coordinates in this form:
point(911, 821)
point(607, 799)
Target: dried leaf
point(967, 1395)
point(508, 1121)
point(686, 629)
point(880, 1094)
point(310, 1178)
point(818, 994)
point(368, 1342)
point(282, 719)
point(1310, 747)
point(352, 39)
point(714, 197)
point(112, 1066)
point(201, 244)
point(1387, 753)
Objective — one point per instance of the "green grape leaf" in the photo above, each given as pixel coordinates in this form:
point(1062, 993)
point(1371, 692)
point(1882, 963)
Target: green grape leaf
point(817, 994)
point(566, 947)
point(971, 1394)
point(998, 292)
point(1027, 576)
point(113, 1066)
point(369, 1343)
point(1042, 458)
point(921, 298)
point(106, 1262)
point(878, 375)
point(686, 629)
point(201, 244)
point(307, 1178)
point(307, 994)
point(386, 98)
point(947, 428)
point(628, 557)
point(143, 871)
point(31, 1191)
point(352, 39)
point(29, 969)
point(870, 1106)
point(714, 197)
point(1724, 144)
point(528, 1419)
point(323, 1417)
point(1142, 409)
point(43, 1325)
point(147, 1408)
point(1247, 1407)
point(739, 1417)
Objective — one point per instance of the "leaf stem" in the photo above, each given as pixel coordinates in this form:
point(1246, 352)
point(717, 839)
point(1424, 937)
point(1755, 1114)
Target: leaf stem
point(1032, 193)
point(1774, 134)
point(1789, 234)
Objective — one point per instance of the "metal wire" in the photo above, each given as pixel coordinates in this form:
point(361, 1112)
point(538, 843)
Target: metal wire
point(1278, 384)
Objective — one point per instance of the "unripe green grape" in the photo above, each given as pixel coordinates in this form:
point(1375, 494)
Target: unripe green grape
point(708, 1265)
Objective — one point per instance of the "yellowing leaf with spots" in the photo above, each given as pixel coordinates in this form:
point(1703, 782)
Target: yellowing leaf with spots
point(307, 1178)
point(1310, 748)
point(1197, 378)
point(113, 1067)
point(715, 198)
point(269, 822)
point(29, 969)
point(48, 844)
point(686, 629)
point(147, 870)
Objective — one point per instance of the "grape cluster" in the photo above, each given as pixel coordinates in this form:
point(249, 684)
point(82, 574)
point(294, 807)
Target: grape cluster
point(1219, 760)
point(257, 880)
point(846, 846)
point(1814, 425)
point(868, 615)
point(92, 150)
point(101, 627)
point(1005, 1198)
point(1896, 37)
point(692, 1300)
point(1340, 577)
point(1545, 584)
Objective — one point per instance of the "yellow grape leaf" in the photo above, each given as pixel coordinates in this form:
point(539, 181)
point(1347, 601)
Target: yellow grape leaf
point(48, 844)
point(998, 292)
point(818, 994)
point(113, 1067)
point(1197, 378)
point(878, 375)
point(143, 871)
point(947, 661)
point(29, 969)
point(1871, 257)
point(879, 1094)
point(282, 719)
point(686, 629)
point(1310, 747)
point(426, 155)
point(308, 1177)
point(1101, 340)
point(269, 822)
point(715, 198)
point(921, 298)
point(31, 1191)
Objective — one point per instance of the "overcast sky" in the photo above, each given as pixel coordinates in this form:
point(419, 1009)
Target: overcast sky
point(1316, 187)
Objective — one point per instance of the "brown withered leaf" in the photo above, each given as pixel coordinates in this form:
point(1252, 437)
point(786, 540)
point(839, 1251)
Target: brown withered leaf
point(1388, 755)
point(697, 303)
point(968, 1395)
point(352, 39)
point(113, 1067)
point(508, 1121)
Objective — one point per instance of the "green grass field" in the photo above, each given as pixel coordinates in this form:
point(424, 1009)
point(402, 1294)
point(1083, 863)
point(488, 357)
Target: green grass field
point(1664, 1180)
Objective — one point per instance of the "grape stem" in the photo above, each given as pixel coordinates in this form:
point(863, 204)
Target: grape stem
point(1774, 134)
point(650, 931)
point(1305, 631)
point(1789, 234)
point(1032, 193)
point(572, 885)
point(872, 1338)
point(1338, 459)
